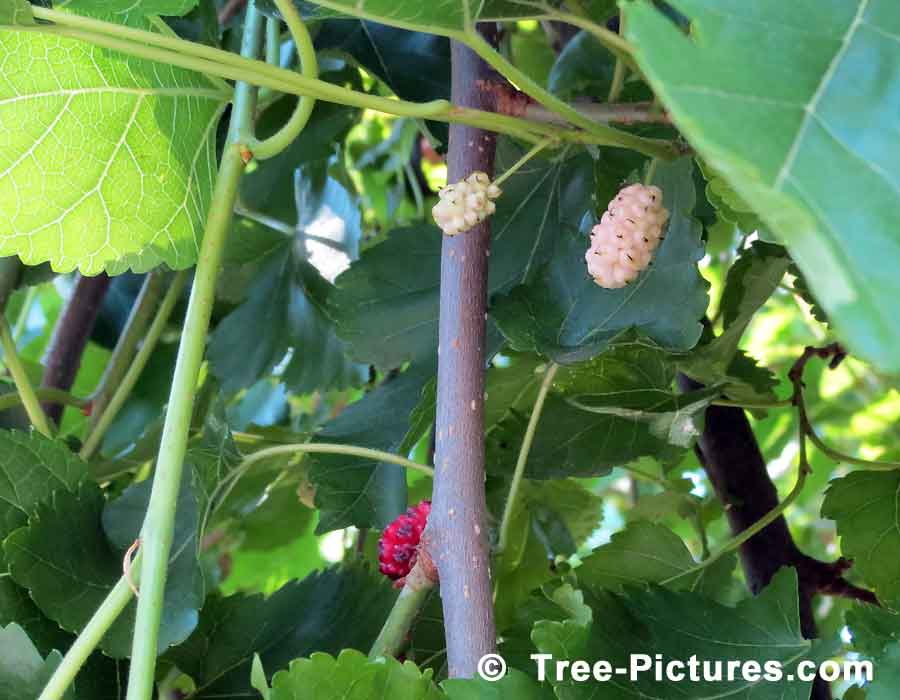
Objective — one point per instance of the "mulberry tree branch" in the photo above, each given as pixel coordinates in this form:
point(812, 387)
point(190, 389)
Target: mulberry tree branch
point(70, 337)
point(456, 536)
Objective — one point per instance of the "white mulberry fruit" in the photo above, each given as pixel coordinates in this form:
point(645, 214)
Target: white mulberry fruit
point(623, 243)
point(465, 203)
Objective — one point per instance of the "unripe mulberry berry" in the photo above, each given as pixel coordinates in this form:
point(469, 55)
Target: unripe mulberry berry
point(465, 203)
point(399, 543)
point(623, 243)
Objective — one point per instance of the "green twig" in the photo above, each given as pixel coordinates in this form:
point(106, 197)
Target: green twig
point(224, 64)
point(44, 394)
point(135, 327)
point(309, 68)
point(511, 170)
point(519, 471)
point(123, 390)
point(24, 312)
point(220, 494)
point(89, 637)
point(395, 631)
point(619, 71)
point(158, 527)
point(23, 384)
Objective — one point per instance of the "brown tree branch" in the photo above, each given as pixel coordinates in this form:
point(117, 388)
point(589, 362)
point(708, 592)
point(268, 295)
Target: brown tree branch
point(70, 337)
point(456, 537)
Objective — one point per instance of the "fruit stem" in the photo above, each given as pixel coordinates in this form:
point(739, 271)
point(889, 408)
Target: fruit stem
point(524, 159)
point(20, 377)
point(418, 584)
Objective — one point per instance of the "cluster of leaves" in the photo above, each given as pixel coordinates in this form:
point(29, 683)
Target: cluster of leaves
point(326, 330)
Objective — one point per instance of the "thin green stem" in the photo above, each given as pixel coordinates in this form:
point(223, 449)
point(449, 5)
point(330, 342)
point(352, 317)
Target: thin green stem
point(123, 390)
point(838, 456)
point(604, 135)
point(224, 487)
point(732, 544)
point(610, 39)
point(619, 71)
point(24, 312)
point(158, 527)
point(651, 171)
point(135, 327)
point(89, 637)
point(778, 403)
point(519, 472)
point(44, 394)
point(309, 68)
point(509, 172)
point(23, 384)
point(273, 53)
point(396, 628)
point(224, 64)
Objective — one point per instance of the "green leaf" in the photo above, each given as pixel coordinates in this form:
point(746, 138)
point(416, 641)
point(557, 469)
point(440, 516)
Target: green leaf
point(515, 685)
point(564, 513)
point(414, 65)
point(386, 304)
point(33, 467)
point(752, 279)
point(584, 66)
point(642, 553)
point(352, 675)
point(361, 492)
point(679, 625)
point(63, 555)
point(283, 312)
point(114, 167)
point(23, 672)
point(341, 607)
point(631, 412)
point(785, 132)
point(451, 17)
point(16, 606)
point(565, 316)
point(126, 7)
point(865, 510)
point(16, 12)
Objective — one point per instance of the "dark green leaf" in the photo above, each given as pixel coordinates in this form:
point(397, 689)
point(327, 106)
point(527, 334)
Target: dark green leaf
point(679, 625)
point(63, 555)
point(603, 413)
point(342, 607)
point(33, 467)
point(23, 671)
point(584, 67)
point(564, 315)
point(282, 313)
point(361, 492)
point(779, 113)
point(642, 553)
point(16, 606)
point(865, 509)
point(352, 675)
point(752, 279)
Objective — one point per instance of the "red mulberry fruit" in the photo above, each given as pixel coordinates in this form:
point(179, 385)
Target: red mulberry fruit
point(399, 543)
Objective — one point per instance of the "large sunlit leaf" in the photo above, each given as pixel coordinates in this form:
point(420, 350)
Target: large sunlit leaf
point(793, 103)
point(144, 7)
point(564, 315)
point(107, 162)
point(16, 12)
